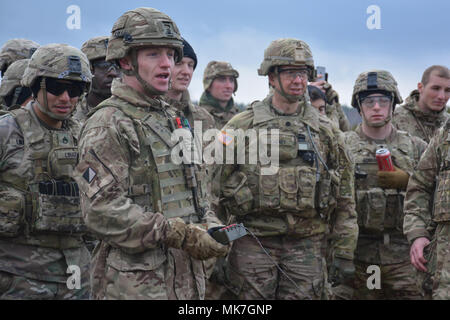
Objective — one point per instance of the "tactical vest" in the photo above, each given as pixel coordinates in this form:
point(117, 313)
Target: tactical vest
point(302, 187)
point(379, 210)
point(39, 194)
point(441, 203)
point(155, 182)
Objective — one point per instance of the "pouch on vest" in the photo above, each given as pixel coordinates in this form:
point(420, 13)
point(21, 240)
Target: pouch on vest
point(59, 214)
point(442, 196)
point(394, 210)
point(288, 146)
point(288, 188)
point(238, 197)
point(61, 162)
point(269, 197)
point(307, 187)
point(371, 208)
point(12, 211)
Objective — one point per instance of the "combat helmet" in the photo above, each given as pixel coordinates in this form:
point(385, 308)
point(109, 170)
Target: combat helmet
point(287, 51)
point(95, 48)
point(375, 81)
point(16, 49)
point(143, 27)
point(216, 69)
point(59, 61)
point(11, 86)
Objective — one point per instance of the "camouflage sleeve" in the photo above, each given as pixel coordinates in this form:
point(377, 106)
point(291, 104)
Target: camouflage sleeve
point(11, 142)
point(222, 171)
point(106, 144)
point(420, 192)
point(344, 228)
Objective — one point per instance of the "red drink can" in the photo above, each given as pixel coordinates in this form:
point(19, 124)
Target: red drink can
point(384, 160)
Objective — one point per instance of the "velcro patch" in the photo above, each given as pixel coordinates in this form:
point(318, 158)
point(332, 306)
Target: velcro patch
point(89, 175)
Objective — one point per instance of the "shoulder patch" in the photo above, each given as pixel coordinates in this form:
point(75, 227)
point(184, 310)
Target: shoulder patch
point(225, 138)
point(89, 174)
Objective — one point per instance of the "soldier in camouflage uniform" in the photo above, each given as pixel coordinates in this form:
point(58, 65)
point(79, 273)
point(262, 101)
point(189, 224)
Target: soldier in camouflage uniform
point(135, 198)
point(220, 83)
point(40, 217)
point(288, 211)
point(12, 92)
point(13, 50)
point(190, 273)
point(103, 74)
point(424, 111)
point(380, 194)
point(427, 217)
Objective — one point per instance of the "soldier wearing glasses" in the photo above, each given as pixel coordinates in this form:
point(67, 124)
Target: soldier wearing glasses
point(380, 194)
point(103, 73)
point(41, 226)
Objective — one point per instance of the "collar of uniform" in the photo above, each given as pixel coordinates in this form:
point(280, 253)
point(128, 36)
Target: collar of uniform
point(411, 103)
point(130, 95)
point(265, 112)
point(208, 99)
point(388, 139)
point(184, 105)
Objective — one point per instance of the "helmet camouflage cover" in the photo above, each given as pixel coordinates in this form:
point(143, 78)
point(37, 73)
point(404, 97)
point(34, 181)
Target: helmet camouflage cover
point(375, 80)
point(143, 27)
point(12, 77)
point(16, 49)
point(95, 48)
point(58, 61)
point(287, 51)
point(215, 69)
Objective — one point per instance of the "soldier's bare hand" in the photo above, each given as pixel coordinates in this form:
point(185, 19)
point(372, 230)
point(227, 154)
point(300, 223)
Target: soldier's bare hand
point(416, 253)
point(319, 84)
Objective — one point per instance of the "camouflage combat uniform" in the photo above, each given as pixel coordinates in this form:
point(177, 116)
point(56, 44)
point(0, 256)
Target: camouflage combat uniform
point(427, 213)
point(380, 206)
point(40, 218)
point(135, 198)
point(380, 217)
point(288, 211)
point(409, 117)
point(221, 115)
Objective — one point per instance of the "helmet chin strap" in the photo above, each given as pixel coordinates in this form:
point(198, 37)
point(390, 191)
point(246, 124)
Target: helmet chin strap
point(289, 97)
point(134, 72)
point(44, 108)
point(377, 124)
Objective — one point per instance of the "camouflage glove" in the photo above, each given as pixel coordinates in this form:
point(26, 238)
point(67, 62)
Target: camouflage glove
point(397, 179)
point(176, 234)
point(200, 245)
point(332, 96)
point(342, 271)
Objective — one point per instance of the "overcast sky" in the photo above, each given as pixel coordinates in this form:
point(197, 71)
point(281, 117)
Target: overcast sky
point(412, 36)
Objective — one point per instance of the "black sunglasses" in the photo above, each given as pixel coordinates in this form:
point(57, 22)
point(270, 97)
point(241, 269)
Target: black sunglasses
point(57, 88)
